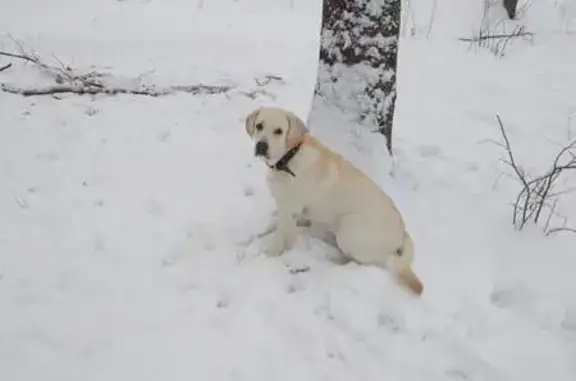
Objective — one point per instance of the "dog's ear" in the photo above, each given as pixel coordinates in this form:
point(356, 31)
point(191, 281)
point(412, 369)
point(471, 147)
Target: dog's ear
point(250, 121)
point(296, 129)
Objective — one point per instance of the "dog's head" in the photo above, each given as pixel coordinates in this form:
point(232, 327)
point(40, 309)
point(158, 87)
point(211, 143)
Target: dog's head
point(275, 131)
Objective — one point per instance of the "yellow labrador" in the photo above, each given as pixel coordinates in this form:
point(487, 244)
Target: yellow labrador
point(310, 182)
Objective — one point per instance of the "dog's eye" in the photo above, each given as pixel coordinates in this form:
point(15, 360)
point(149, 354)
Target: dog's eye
point(278, 131)
point(259, 127)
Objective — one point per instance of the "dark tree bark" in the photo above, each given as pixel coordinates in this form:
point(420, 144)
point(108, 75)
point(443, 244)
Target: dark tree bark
point(358, 60)
point(510, 6)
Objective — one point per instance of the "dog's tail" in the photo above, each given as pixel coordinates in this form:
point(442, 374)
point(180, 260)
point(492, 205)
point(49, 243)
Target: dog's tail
point(403, 266)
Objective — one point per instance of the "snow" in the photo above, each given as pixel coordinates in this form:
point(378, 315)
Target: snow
point(127, 224)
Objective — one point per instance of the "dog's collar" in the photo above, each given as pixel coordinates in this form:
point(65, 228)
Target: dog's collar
point(282, 164)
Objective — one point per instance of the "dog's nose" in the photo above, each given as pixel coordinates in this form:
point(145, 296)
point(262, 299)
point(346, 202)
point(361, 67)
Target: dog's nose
point(261, 148)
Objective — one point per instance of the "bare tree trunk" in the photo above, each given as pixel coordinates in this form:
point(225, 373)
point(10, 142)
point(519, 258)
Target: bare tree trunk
point(510, 6)
point(358, 60)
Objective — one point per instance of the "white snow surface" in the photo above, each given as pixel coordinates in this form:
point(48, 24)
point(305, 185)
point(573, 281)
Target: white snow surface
point(127, 223)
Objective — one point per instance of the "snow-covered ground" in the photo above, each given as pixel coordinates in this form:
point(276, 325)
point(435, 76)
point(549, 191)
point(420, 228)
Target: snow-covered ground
point(127, 223)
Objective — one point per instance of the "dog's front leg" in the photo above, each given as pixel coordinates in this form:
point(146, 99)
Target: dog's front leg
point(284, 237)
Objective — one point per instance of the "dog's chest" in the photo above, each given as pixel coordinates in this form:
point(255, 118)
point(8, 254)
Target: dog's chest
point(285, 188)
point(295, 193)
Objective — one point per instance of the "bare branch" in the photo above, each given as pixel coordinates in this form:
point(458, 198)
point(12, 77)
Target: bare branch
point(511, 162)
point(519, 173)
point(537, 193)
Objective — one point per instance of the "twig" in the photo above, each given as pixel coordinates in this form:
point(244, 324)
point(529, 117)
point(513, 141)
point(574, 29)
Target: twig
point(61, 74)
point(19, 56)
point(65, 72)
point(432, 17)
point(512, 163)
point(298, 270)
point(552, 209)
point(553, 175)
point(557, 230)
point(2, 68)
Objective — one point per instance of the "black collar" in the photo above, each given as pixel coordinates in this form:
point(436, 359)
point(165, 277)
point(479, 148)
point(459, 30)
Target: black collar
point(282, 164)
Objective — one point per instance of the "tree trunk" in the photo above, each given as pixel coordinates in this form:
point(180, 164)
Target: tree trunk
point(510, 6)
point(357, 63)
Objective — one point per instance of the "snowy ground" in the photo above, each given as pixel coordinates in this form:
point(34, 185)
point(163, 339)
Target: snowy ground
point(117, 263)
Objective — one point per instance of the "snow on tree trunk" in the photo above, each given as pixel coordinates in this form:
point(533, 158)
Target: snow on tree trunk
point(357, 63)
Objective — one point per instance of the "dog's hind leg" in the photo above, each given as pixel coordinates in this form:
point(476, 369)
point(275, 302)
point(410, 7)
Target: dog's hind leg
point(368, 247)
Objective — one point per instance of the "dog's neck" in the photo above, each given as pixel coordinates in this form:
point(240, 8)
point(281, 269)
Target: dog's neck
point(282, 164)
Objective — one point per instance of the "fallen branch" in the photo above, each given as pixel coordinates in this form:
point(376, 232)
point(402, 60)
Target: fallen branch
point(79, 90)
point(68, 81)
point(496, 36)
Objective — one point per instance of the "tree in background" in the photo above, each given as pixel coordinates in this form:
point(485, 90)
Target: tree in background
point(510, 6)
point(358, 60)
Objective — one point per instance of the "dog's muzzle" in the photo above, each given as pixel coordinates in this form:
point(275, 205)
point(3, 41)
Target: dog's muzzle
point(261, 149)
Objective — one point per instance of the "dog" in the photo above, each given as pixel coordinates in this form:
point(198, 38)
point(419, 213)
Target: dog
point(312, 185)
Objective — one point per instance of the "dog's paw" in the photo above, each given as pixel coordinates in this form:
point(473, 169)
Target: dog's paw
point(274, 245)
point(274, 249)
